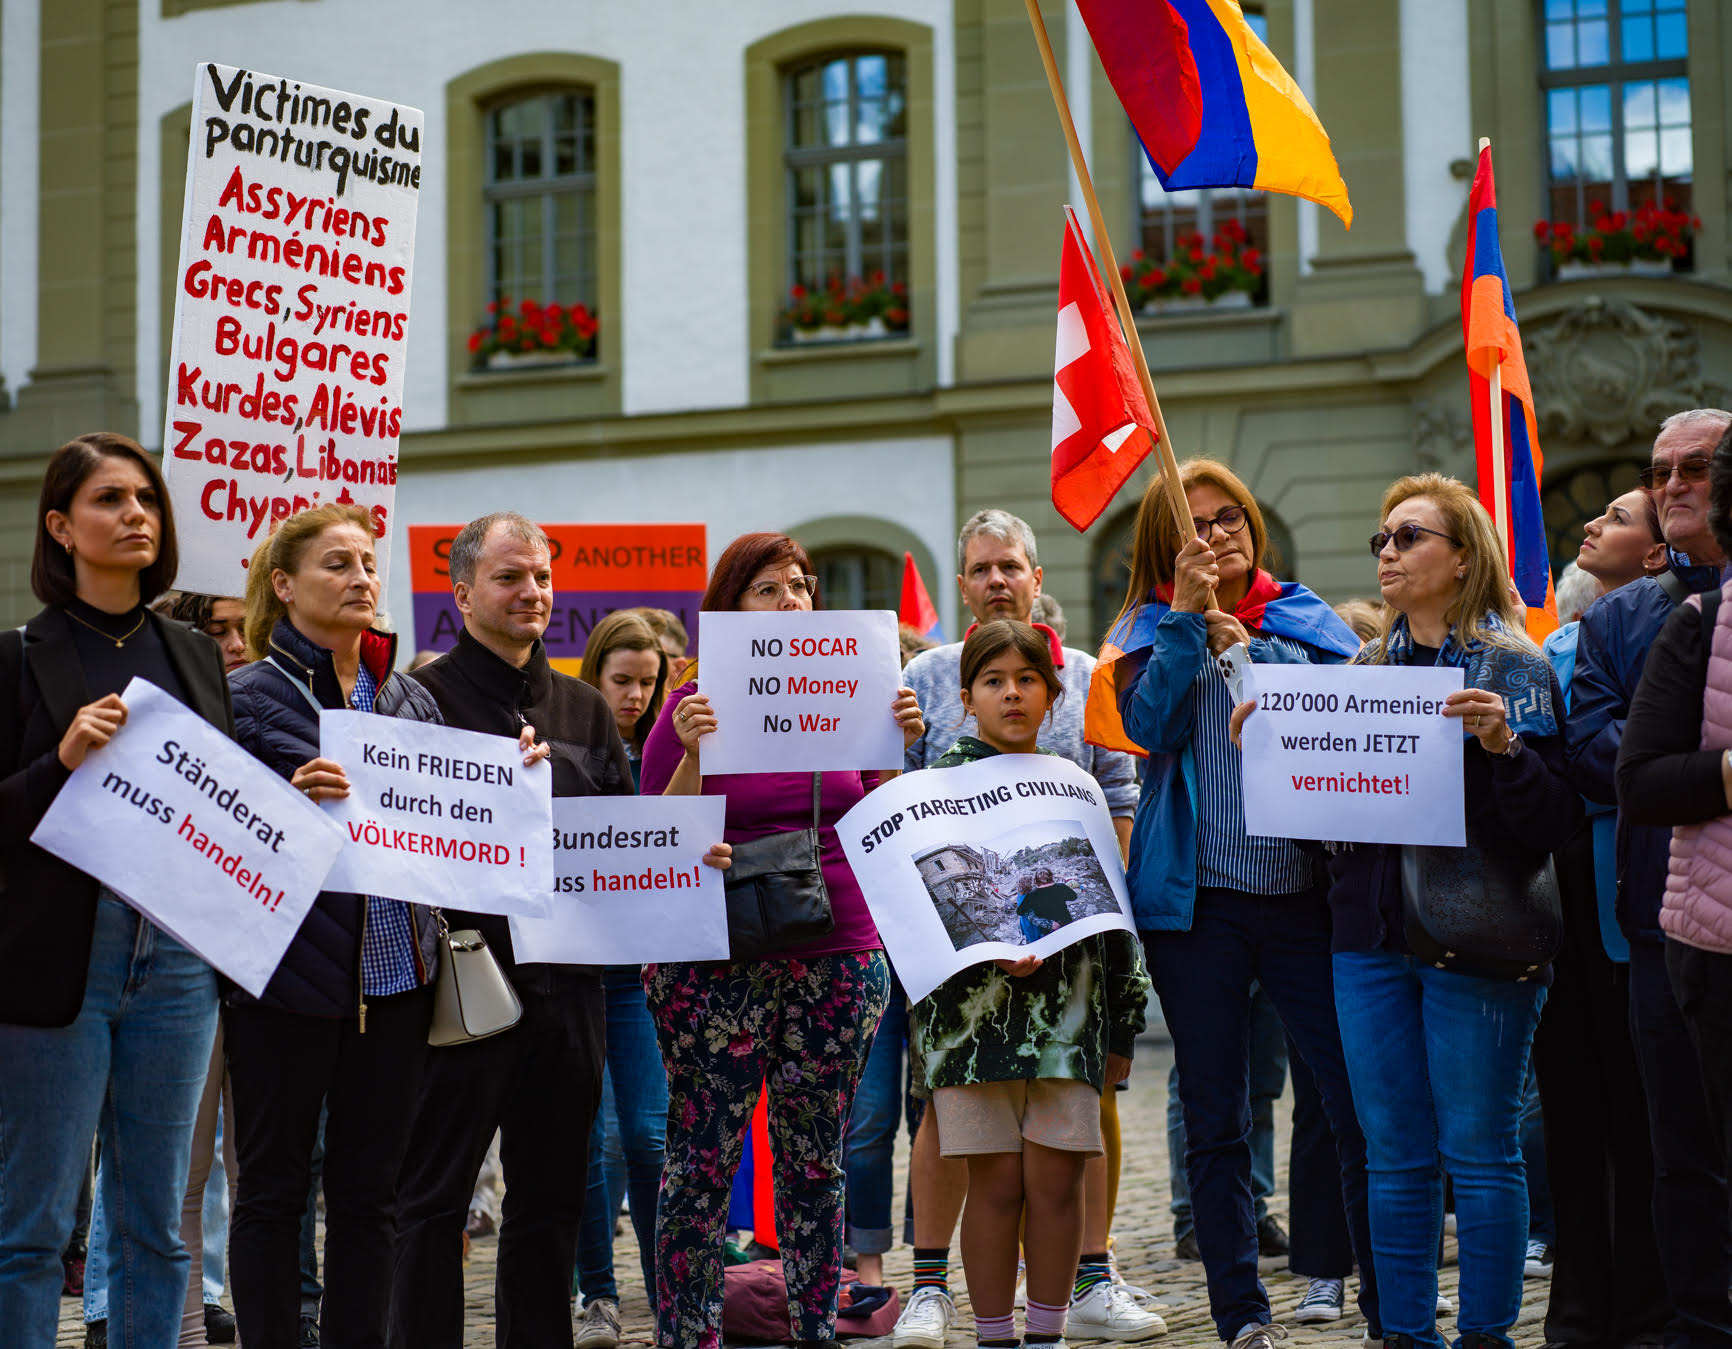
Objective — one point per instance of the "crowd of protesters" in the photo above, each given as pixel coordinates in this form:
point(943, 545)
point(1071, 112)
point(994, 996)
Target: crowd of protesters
point(1573, 1112)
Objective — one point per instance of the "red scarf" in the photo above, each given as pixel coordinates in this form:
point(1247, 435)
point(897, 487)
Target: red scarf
point(1249, 610)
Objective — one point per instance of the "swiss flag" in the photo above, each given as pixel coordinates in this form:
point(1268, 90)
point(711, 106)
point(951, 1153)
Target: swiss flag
point(917, 609)
point(1101, 424)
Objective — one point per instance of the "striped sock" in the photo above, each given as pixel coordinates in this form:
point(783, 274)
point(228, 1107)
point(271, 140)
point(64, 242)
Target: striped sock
point(1090, 1270)
point(999, 1329)
point(1044, 1322)
point(932, 1269)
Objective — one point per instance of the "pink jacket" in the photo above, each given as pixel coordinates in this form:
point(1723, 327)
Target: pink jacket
point(1697, 906)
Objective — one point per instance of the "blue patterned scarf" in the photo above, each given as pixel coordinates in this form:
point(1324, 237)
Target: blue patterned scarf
point(1521, 677)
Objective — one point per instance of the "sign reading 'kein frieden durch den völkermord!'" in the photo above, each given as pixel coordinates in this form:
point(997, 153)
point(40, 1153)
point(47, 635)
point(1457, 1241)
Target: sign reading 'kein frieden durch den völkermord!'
point(291, 314)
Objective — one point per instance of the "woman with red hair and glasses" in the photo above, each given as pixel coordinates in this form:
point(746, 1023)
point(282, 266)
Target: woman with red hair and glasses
point(801, 1019)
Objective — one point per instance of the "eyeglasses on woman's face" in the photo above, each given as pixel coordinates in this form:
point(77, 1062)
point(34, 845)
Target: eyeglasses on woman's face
point(1231, 521)
point(1405, 536)
point(770, 592)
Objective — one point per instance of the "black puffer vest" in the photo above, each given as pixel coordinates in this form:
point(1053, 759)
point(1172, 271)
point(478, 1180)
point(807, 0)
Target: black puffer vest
point(320, 974)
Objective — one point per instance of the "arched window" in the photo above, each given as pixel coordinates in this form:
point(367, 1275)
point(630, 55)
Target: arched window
point(1569, 500)
point(540, 199)
point(846, 162)
point(858, 578)
point(1617, 92)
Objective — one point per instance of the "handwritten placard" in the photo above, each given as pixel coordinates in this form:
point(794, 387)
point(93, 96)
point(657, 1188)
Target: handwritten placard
point(291, 314)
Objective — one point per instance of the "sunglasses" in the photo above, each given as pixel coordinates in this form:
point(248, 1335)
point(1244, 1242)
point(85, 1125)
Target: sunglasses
point(1405, 537)
point(1655, 476)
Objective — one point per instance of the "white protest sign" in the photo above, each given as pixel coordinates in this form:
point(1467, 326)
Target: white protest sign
point(196, 834)
point(1011, 856)
point(630, 884)
point(1355, 754)
point(440, 816)
point(800, 692)
point(291, 310)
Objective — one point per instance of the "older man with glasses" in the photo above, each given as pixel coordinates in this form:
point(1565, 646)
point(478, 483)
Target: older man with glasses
point(1690, 1185)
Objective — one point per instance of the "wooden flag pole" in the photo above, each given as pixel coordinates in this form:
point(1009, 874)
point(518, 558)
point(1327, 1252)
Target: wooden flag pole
point(1127, 320)
point(1500, 469)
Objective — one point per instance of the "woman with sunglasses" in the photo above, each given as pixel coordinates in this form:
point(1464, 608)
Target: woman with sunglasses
point(1438, 1057)
point(1220, 911)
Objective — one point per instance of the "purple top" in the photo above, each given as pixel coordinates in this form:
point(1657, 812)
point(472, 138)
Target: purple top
point(762, 803)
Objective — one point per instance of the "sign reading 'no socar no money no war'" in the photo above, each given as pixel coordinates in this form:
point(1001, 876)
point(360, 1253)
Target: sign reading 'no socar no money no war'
point(436, 815)
point(800, 692)
point(196, 834)
point(291, 314)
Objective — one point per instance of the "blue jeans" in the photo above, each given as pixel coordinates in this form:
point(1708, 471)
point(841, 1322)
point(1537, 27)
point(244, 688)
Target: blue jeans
point(1204, 977)
point(215, 1222)
point(132, 1064)
point(1438, 1061)
point(881, 1102)
point(628, 1143)
point(1268, 1080)
point(1541, 1226)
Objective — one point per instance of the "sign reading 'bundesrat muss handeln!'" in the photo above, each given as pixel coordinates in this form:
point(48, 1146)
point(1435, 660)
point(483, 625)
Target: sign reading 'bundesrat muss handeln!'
point(1355, 754)
point(291, 313)
point(800, 692)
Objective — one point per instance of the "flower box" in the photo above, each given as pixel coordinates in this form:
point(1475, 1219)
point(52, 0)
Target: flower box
point(531, 360)
point(872, 329)
point(1190, 304)
point(847, 310)
point(1577, 271)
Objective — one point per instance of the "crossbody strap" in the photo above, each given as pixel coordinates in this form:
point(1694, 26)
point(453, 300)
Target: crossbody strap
point(295, 684)
point(1674, 586)
point(817, 789)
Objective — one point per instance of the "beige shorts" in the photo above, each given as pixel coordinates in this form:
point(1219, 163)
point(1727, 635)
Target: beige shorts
point(1055, 1112)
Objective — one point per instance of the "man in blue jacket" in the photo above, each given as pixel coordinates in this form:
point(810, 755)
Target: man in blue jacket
point(1690, 1190)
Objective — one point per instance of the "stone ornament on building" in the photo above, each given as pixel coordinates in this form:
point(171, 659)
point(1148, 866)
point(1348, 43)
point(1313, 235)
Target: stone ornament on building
point(1609, 371)
point(1441, 434)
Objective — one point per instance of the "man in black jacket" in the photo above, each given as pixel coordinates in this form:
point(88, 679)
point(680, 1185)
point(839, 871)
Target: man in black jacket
point(539, 1082)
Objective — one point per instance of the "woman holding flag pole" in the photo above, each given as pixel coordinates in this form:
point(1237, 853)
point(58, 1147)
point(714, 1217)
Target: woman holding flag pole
point(1220, 910)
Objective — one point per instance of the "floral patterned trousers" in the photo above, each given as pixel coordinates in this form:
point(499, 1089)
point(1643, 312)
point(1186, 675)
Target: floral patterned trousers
point(803, 1027)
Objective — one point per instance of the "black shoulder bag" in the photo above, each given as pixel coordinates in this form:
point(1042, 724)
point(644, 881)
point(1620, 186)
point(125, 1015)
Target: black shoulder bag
point(1479, 912)
point(775, 890)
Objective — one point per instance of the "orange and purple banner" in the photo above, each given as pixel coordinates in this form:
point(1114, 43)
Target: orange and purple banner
point(596, 570)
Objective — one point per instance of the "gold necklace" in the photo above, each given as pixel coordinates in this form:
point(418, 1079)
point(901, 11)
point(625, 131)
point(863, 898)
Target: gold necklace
point(118, 641)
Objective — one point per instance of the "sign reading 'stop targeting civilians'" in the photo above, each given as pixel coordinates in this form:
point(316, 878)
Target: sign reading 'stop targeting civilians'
point(436, 815)
point(290, 315)
point(196, 834)
point(800, 692)
point(1354, 754)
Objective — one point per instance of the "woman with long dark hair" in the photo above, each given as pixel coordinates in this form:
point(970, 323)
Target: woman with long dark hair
point(801, 1018)
point(106, 1021)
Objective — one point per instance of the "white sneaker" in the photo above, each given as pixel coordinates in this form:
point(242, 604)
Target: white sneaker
point(1108, 1312)
point(925, 1320)
point(1538, 1264)
point(598, 1327)
point(1323, 1301)
point(1444, 1306)
point(1259, 1335)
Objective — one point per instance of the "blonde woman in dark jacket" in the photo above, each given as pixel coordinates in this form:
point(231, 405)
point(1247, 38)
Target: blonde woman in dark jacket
point(344, 1020)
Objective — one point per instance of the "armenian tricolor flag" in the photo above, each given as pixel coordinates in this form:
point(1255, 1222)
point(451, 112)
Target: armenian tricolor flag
point(1211, 104)
point(1509, 484)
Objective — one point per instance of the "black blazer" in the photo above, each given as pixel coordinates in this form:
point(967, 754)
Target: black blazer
point(48, 907)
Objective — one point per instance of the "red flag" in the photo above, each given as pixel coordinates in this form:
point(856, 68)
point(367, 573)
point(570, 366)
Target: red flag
point(1101, 424)
point(917, 609)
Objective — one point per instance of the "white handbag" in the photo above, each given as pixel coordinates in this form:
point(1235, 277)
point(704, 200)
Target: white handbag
point(472, 998)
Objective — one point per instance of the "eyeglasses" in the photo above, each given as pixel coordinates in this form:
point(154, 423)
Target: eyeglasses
point(800, 587)
point(1231, 521)
point(1405, 537)
point(1655, 476)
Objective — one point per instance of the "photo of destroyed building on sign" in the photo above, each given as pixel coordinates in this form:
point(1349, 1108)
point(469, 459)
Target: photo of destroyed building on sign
point(1019, 888)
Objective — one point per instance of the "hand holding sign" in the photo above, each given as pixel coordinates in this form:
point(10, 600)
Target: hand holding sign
point(92, 727)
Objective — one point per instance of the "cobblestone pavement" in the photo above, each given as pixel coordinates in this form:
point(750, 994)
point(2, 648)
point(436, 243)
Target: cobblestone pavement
point(1144, 1237)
